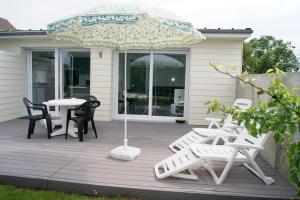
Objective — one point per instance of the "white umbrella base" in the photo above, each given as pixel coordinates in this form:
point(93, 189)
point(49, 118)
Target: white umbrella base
point(125, 153)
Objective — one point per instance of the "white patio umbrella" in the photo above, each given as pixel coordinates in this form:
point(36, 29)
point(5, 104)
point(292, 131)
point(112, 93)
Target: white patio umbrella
point(125, 26)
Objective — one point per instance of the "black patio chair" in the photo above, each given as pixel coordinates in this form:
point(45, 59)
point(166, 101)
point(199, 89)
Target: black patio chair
point(33, 118)
point(85, 111)
point(78, 112)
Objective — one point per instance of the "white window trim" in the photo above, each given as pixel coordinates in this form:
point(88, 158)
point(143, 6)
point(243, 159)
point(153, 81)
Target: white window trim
point(149, 117)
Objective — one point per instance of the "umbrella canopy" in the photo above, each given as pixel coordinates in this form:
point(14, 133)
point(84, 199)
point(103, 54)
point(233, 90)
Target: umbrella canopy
point(125, 26)
point(145, 28)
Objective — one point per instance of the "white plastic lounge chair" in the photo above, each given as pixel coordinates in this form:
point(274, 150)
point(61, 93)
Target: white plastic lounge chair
point(199, 135)
point(243, 150)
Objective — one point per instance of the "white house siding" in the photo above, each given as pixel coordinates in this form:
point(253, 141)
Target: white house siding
point(101, 81)
point(205, 83)
point(13, 84)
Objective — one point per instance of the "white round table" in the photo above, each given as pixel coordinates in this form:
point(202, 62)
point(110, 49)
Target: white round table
point(64, 105)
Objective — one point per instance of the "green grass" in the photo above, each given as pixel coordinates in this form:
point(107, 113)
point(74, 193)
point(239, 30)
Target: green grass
point(8, 192)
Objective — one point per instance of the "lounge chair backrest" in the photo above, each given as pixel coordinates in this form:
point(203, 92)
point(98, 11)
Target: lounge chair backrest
point(245, 138)
point(243, 104)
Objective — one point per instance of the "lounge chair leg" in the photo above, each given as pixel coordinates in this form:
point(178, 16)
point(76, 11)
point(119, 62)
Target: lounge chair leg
point(189, 175)
point(220, 180)
point(256, 170)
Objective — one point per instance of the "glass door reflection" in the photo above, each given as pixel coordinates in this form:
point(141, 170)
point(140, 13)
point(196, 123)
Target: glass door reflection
point(138, 65)
point(43, 76)
point(76, 73)
point(168, 84)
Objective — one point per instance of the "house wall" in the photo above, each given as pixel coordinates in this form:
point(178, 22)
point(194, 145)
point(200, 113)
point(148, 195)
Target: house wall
point(101, 81)
point(205, 82)
point(13, 84)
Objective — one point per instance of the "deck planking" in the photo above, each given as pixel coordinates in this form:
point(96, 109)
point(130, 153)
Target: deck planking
point(70, 166)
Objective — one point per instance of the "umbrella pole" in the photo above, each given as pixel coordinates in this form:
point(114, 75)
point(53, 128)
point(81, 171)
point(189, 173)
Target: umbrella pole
point(125, 89)
point(125, 152)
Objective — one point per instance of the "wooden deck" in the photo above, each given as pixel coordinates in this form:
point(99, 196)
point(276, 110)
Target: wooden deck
point(70, 166)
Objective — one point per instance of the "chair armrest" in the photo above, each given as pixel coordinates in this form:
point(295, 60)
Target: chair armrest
point(213, 119)
point(38, 108)
point(39, 105)
point(244, 146)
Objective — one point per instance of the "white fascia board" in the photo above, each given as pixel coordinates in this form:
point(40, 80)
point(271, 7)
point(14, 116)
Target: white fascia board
point(229, 36)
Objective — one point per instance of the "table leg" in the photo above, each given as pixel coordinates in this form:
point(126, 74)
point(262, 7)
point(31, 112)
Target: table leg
point(62, 131)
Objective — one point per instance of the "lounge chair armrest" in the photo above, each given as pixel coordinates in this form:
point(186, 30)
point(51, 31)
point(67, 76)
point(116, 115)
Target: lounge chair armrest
point(244, 146)
point(213, 119)
point(232, 126)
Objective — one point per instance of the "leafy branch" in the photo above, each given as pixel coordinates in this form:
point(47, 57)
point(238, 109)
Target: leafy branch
point(280, 114)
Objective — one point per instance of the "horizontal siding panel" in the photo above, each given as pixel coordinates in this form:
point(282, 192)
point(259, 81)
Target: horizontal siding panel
point(11, 116)
point(104, 90)
point(200, 87)
point(12, 59)
point(13, 79)
point(16, 88)
point(196, 100)
point(205, 63)
point(96, 83)
point(205, 82)
point(216, 57)
point(11, 65)
point(20, 82)
point(218, 44)
point(101, 82)
point(97, 72)
point(101, 78)
point(212, 80)
point(12, 71)
point(232, 51)
point(212, 93)
point(20, 93)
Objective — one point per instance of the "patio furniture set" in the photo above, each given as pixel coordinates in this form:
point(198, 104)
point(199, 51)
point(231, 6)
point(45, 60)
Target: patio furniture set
point(230, 143)
point(80, 111)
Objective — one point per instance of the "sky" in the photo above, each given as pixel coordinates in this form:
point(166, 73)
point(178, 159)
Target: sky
point(265, 17)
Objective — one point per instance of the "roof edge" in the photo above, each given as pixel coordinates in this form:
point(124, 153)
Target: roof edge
point(42, 32)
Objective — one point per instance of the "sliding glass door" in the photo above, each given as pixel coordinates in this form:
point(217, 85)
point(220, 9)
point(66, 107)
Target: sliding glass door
point(168, 85)
point(58, 73)
point(76, 73)
point(155, 84)
point(43, 76)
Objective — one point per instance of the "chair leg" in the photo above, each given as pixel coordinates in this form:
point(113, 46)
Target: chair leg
point(29, 129)
point(80, 133)
point(67, 126)
point(49, 128)
point(85, 127)
point(94, 127)
point(32, 127)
